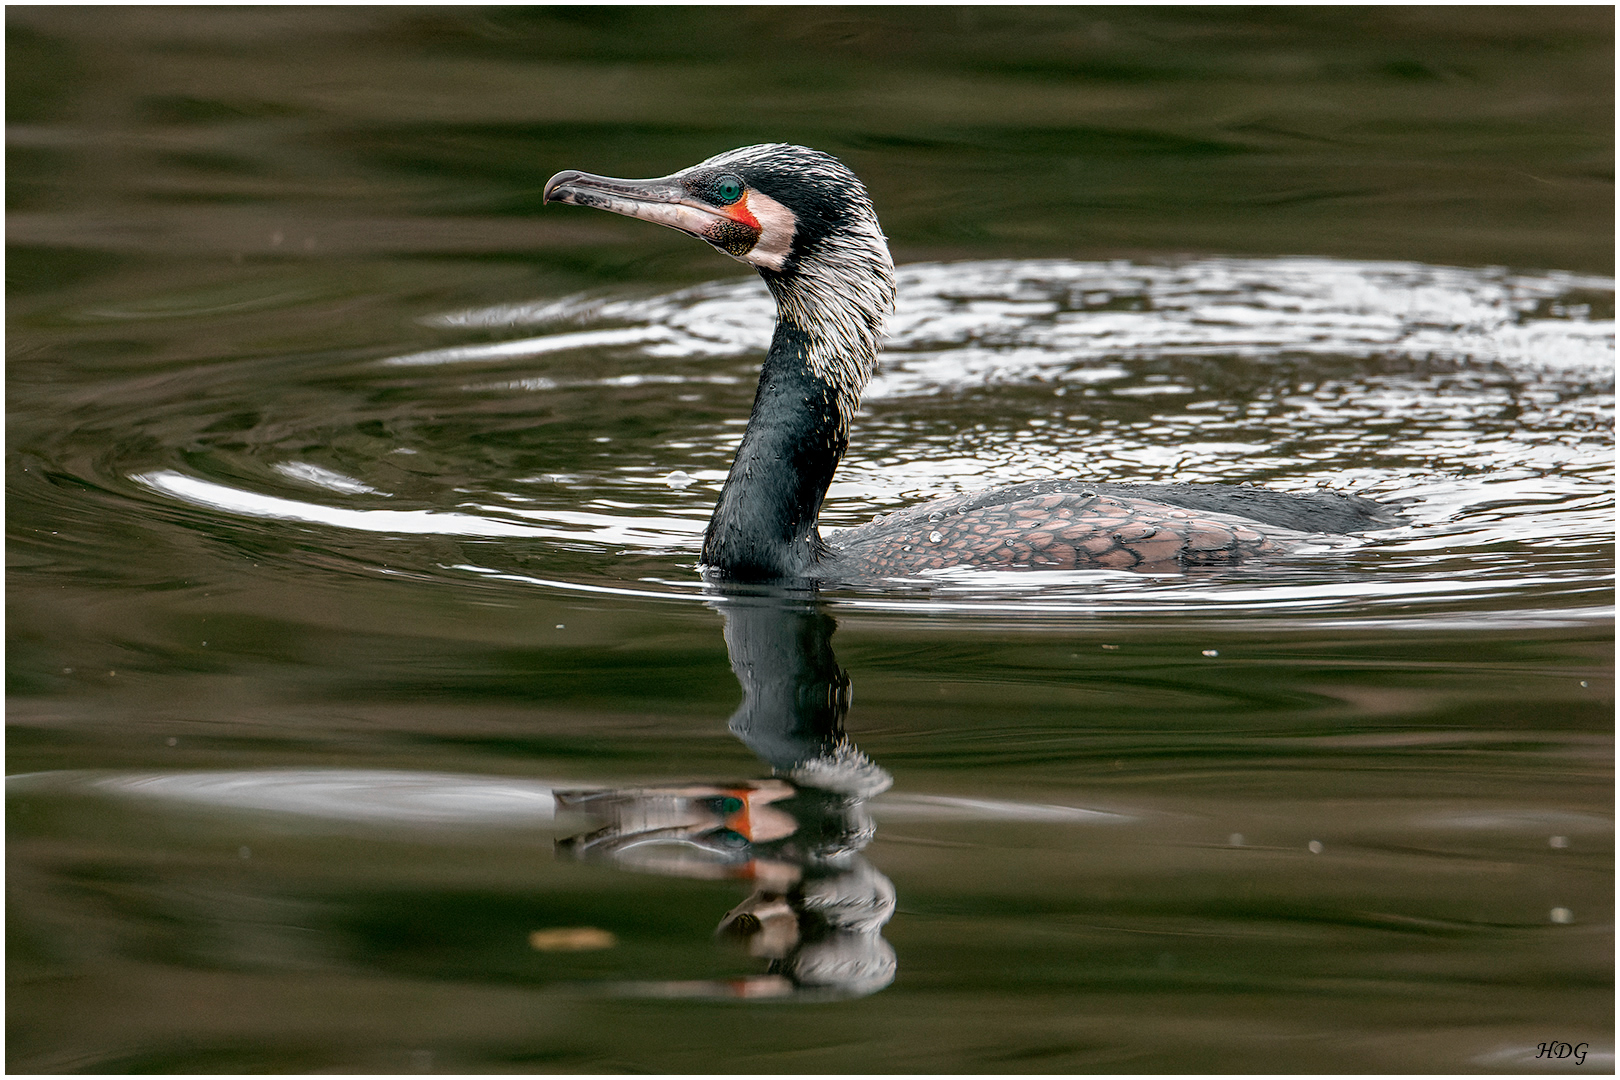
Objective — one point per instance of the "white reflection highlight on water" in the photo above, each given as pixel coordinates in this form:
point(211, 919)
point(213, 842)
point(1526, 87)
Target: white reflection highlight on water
point(399, 797)
point(374, 796)
point(1064, 594)
point(509, 350)
point(598, 527)
point(316, 476)
point(252, 504)
point(893, 807)
point(1044, 313)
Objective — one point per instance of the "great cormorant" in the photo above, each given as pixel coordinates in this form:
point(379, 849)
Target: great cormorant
point(806, 223)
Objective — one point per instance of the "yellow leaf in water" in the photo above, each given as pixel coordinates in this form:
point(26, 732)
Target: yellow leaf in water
point(571, 939)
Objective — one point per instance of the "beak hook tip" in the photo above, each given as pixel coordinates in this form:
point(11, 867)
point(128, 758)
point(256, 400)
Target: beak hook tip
point(549, 194)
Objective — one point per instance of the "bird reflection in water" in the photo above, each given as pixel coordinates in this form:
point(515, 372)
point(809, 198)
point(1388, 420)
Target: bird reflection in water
point(818, 908)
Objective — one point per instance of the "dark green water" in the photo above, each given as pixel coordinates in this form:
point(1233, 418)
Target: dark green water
point(353, 502)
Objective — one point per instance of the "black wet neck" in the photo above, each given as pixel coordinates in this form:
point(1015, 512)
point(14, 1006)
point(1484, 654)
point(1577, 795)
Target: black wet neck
point(764, 526)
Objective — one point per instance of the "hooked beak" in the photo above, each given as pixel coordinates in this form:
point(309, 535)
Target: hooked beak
point(664, 201)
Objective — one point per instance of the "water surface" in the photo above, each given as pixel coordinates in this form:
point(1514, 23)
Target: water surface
point(366, 708)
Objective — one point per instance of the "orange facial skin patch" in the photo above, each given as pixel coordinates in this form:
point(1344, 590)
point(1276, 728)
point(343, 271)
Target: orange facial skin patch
point(738, 211)
point(772, 223)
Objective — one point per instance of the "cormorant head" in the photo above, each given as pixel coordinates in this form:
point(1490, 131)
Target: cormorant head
point(799, 216)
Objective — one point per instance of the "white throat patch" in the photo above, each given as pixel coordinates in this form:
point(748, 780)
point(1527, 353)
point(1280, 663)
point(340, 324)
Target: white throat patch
point(777, 226)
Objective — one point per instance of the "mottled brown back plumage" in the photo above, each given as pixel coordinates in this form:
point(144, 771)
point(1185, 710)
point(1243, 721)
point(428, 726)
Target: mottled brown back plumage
point(1058, 531)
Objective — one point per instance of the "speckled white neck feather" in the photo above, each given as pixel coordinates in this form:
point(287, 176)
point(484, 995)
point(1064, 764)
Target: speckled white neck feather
point(840, 297)
point(841, 289)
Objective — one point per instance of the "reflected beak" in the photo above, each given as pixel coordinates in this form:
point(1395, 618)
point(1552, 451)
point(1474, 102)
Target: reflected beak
point(664, 201)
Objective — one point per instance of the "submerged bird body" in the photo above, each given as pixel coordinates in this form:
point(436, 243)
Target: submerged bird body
point(805, 222)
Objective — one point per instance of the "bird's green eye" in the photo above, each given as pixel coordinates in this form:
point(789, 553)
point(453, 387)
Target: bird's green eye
point(728, 190)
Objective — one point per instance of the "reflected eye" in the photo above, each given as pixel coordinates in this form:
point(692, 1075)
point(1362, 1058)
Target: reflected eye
point(728, 190)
